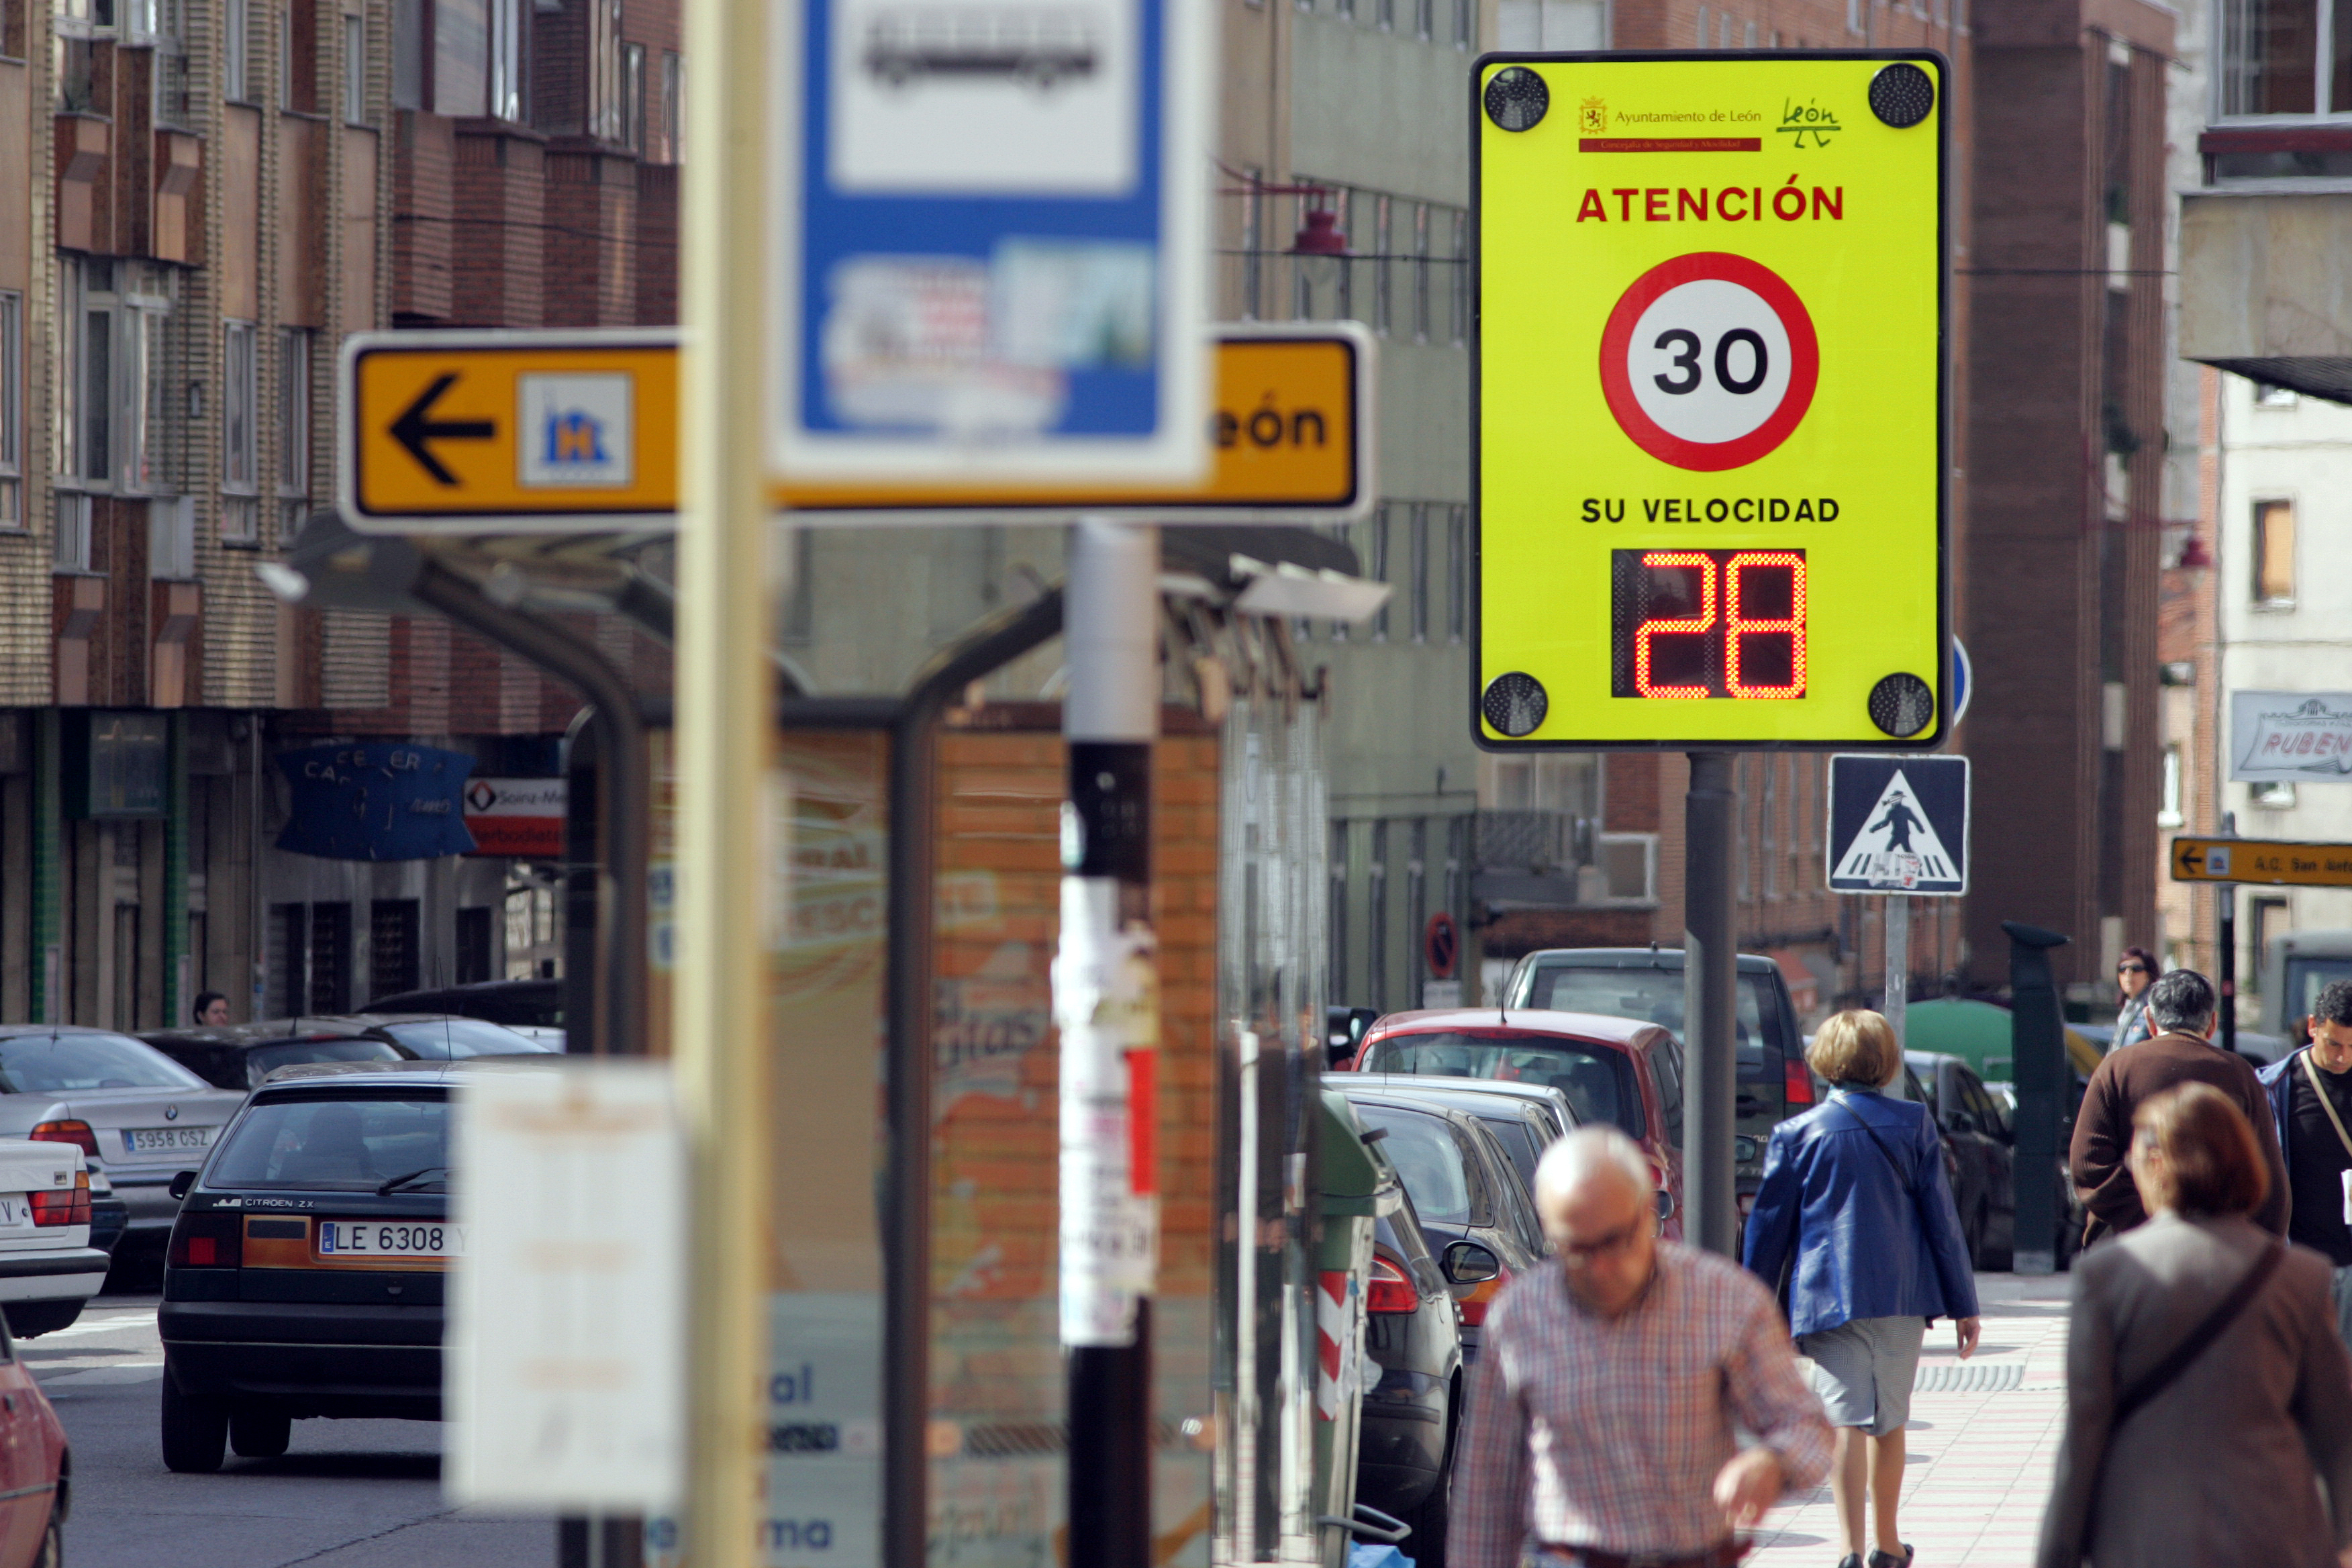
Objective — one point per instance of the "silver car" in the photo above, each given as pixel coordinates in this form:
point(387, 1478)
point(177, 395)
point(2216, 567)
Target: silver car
point(137, 1114)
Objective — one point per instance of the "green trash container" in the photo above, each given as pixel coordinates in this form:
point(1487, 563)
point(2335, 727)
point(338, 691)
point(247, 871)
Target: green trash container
point(1356, 1184)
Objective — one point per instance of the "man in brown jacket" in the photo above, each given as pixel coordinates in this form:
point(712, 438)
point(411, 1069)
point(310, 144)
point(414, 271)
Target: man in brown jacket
point(2180, 1005)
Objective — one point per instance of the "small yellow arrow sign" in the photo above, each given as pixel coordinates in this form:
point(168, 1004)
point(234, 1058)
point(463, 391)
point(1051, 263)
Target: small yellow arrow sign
point(507, 432)
point(463, 431)
point(2266, 860)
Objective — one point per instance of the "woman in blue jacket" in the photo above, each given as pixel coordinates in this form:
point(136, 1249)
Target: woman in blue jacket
point(1855, 1207)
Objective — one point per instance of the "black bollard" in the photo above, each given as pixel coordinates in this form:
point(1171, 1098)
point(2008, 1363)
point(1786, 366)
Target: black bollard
point(2037, 1045)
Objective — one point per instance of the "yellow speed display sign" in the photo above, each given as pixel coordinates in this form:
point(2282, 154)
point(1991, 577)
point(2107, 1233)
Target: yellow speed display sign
point(1710, 400)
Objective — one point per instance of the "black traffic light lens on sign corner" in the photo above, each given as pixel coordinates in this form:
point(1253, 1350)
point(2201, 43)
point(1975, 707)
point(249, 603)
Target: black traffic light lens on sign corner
point(1902, 95)
point(1517, 100)
point(1902, 705)
point(1514, 703)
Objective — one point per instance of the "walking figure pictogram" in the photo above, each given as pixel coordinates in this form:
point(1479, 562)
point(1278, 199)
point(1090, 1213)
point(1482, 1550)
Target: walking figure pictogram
point(1902, 820)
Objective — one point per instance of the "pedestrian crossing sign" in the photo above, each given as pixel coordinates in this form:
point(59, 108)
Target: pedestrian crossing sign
point(1899, 824)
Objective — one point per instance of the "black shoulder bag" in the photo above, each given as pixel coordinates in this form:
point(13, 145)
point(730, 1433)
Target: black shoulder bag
point(2165, 1372)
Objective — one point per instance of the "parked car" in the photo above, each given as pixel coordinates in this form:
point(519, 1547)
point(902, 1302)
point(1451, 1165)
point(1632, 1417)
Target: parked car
point(1610, 1069)
point(306, 1271)
point(1464, 1189)
point(136, 1113)
point(419, 1036)
point(39, 1493)
point(48, 1268)
point(1983, 1147)
point(1524, 1117)
point(532, 1008)
point(1405, 1443)
point(239, 1056)
point(1646, 983)
point(109, 1217)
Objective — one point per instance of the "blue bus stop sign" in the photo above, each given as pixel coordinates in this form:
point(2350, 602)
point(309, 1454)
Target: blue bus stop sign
point(990, 240)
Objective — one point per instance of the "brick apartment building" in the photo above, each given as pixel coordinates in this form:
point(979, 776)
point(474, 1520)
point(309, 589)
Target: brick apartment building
point(198, 202)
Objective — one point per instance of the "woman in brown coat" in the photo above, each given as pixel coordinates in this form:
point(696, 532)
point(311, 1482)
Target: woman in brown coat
point(2210, 1460)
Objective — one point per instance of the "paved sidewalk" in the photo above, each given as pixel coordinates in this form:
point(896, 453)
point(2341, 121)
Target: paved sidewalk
point(1980, 1462)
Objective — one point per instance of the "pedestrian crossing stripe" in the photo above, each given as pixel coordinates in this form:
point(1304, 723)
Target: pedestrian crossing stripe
point(1897, 848)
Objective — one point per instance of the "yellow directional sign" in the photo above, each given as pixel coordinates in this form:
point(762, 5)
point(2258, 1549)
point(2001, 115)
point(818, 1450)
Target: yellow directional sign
point(2266, 860)
point(531, 431)
point(1709, 399)
point(1291, 439)
point(465, 431)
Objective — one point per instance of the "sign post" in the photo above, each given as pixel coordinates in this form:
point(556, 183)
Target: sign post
point(989, 241)
point(1719, 279)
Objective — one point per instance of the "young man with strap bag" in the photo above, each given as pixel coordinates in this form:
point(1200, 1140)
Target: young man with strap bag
point(2311, 1105)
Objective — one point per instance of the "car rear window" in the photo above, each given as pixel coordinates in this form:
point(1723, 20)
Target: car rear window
point(1518, 1140)
point(1428, 1160)
point(263, 1060)
point(1651, 995)
point(454, 1039)
point(347, 1143)
point(1598, 1079)
point(63, 1064)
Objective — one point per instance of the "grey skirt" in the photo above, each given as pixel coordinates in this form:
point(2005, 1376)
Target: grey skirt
point(1862, 1371)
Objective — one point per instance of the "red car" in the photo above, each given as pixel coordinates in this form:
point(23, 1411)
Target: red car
point(1626, 1074)
point(33, 1470)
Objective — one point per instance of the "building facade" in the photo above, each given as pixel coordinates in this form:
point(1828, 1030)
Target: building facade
point(197, 204)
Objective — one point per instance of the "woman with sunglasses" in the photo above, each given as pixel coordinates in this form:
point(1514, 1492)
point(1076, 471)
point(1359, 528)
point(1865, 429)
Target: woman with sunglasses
point(1854, 1206)
point(2134, 972)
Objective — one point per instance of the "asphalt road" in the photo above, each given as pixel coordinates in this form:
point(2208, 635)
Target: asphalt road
point(348, 1494)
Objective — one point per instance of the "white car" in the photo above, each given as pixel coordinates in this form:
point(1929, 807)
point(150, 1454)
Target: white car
point(47, 1266)
point(140, 1116)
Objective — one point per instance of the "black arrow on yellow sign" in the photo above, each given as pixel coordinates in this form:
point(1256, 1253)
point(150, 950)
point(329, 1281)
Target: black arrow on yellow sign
point(2188, 856)
point(416, 428)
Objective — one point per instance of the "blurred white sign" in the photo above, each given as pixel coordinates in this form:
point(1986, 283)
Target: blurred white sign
point(565, 1361)
point(2290, 737)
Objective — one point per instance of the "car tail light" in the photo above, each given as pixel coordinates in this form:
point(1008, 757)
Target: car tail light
point(60, 1205)
point(76, 1133)
point(1473, 1307)
point(211, 1240)
point(1390, 1291)
point(1747, 1205)
point(1800, 1080)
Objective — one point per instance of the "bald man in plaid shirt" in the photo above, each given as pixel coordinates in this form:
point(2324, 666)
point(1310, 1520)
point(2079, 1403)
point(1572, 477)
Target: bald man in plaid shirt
point(1601, 1429)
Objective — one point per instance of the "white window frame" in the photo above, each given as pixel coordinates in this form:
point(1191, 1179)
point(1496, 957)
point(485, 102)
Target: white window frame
point(69, 546)
point(237, 50)
point(241, 434)
point(12, 411)
point(632, 97)
point(355, 70)
point(2322, 70)
point(296, 350)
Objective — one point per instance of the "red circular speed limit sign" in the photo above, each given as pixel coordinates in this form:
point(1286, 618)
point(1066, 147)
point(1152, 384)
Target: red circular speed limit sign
point(1709, 361)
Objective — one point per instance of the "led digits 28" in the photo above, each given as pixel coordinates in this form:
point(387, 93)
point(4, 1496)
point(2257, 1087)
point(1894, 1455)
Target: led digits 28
point(1708, 622)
